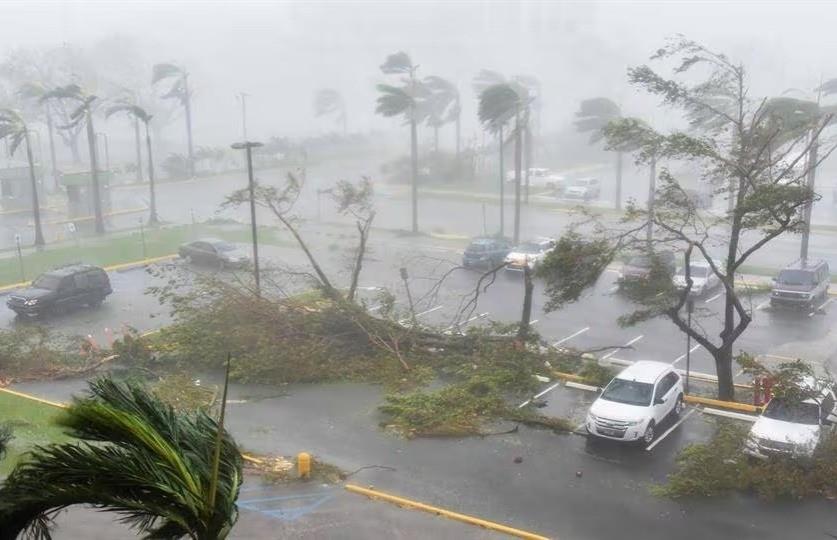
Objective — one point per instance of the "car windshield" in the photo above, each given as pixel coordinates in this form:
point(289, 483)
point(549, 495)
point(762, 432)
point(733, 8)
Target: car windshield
point(224, 246)
point(795, 277)
point(795, 412)
point(630, 392)
point(641, 261)
point(47, 281)
point(695, 271)
point(529, 247)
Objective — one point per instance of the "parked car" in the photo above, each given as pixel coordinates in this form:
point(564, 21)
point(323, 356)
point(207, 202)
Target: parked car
point(528, 253)
point(793, 428)
point(703, 278)
point(214, 252)
point(62, 289)
point(639, 266)
point(583, 188)
point(801, 284)
point(487, 251)
point(635, 402)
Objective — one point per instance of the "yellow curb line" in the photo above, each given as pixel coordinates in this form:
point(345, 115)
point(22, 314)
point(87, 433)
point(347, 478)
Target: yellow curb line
point(91, 218)
point(734, 405)
point(442, 236)
point(30, 397)
point(114, 267)
point(415, 505)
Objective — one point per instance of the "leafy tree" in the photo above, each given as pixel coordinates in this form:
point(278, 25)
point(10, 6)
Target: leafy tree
point(178, 91)
point(592, 117)
point(14, 129)
point(83, 114)
point(167, 473)
point(5, 438)
point(444, 107)
point(140, 115)
point(329, 101)
point(730, 136)
point(409, 101)
point(498, 104)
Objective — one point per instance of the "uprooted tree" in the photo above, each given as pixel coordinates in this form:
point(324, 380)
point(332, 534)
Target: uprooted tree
point(752, 151)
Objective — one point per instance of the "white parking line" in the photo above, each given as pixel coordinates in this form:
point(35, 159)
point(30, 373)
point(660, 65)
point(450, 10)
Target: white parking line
point(431, 310)
point(533, 322)
point(560, 341)
point(669, 430)
point(682, 356)
point(613, 289)
point(536, 396)
point(762, 305)
point(628, 344)
point(472, 319)
point(379, 306)
point(713, 298)
point(821, 306)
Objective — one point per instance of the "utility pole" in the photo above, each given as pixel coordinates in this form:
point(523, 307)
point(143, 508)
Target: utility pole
point(813, 152)
point(248, 146)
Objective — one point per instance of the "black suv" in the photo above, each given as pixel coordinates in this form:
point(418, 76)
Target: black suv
point(801, 284)
point(62, 289)
point(486, 252)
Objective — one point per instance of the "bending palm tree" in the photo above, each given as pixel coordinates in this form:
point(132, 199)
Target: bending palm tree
point(13, 128)
point(179, 91)
point(140, 115)
point(35, 91)
point(167, 474)
point(83, 114)
point(328, 101)
point(592, 117)
point(497, 105)
point(409, 101)
point(444, 107)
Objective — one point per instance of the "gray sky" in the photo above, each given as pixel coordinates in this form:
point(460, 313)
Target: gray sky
point(281, 52)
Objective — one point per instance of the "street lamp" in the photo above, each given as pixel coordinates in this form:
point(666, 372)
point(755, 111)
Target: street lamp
point(248, 146)
point(243, 97)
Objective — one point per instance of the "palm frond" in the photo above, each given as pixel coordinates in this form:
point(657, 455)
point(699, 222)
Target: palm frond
point(486, 78)
point(165, 71)
point(132, 110)
point(828, 87)
point(399, 62)
point(70, 91)
point(497, 104)
point(393, 101)
point(31, 90)
point(6, 437)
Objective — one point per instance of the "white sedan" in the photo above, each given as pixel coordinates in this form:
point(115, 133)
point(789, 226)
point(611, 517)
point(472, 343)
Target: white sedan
point(528, 254)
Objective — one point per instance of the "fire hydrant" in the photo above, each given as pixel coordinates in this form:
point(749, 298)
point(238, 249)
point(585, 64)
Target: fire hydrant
point(303, 464)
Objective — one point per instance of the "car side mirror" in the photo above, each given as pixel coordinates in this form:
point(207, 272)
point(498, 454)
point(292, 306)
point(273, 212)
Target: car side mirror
point(827, 422)
point(659, 401)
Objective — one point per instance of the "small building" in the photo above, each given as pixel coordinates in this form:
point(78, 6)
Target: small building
point(16, 186)
point(79, 187)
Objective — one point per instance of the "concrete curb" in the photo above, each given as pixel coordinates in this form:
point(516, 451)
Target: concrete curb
point(470, 520)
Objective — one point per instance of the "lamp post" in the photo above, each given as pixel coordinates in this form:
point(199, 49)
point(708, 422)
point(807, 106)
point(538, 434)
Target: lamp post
point(690, 307)
point(243, 97)
point(248, 146)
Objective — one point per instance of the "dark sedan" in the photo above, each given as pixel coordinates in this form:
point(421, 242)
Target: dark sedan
point(214, 252)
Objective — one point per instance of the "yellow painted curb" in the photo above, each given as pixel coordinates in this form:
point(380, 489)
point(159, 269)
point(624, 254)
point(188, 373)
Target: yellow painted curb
point(442, 236)
point(33, 398)
point(91, 218)
point(734, 405)
point(470, 520)
point(114, 267)
point(569, 376)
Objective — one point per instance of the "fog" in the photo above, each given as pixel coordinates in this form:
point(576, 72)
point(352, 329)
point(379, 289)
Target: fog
point(282, 52)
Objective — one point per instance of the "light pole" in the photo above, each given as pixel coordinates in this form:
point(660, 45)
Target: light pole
point(248, 146)
point(690, 307)
point(107, 150)
point(243, 97)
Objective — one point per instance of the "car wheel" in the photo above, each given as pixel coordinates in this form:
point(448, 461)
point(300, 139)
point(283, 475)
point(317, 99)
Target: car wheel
point(678, 406)
point(96, 303)
point(187, 259)
point(648, 436)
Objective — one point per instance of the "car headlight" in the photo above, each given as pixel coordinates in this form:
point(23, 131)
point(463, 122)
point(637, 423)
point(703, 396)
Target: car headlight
point(591, 417)
point(31, 302)
point(635, 422)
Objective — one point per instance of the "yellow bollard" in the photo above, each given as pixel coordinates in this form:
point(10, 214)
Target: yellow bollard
point(303, 464)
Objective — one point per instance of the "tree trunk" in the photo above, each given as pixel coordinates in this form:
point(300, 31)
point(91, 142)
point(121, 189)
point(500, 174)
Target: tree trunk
point(528, 145)
point(806, 213)
point(619, 156)
point(51, 135)
point(414, 170)
point(518, 158)
point(652, 188)
point(94, 175)
point(526, 316)
point(36, 207)
point(458, 134)
point(502, 187)
point(187, 104)
point(73, 144)
point(138, 148)
point(152, 217)
point(723, 368)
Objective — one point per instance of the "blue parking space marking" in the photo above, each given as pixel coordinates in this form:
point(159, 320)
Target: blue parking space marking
point(286, 507)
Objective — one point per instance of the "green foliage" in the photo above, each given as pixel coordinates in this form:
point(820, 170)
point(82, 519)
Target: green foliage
point(182, 393)
point(793, 381)
point(500, 102)
point(573, 266)
point(137, 458)
point(594, 114)
point(596, 374)
point(33, 349)
point(6, 436)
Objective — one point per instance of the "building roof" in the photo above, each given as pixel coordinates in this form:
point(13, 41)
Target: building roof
point(644, 371)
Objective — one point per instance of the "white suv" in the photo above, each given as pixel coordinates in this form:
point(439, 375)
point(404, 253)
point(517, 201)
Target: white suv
point(635, 402)
point(792, 428)
point(583, 188)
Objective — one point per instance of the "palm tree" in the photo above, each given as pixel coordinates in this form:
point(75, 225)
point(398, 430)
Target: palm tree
point(179, 91)
point(329, 101)
point(497, 105)
point(444, 107)
point(169, 474)
point(140, 115)
point(592, 117)
point(83, 114)
point(408, 100)
point(34, 91)
point(14, 130)
point(484, 79)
